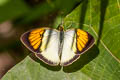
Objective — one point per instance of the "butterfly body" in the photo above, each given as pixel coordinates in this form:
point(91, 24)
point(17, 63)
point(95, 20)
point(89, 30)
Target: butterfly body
point(56, 47)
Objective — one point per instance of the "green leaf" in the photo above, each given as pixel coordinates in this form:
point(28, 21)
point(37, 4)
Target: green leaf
point(47, 8)
point(11, 9)
point(100, 18)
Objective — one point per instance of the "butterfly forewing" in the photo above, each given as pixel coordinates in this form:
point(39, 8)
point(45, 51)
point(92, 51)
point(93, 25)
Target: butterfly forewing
point(84, 41)
point(44, 42)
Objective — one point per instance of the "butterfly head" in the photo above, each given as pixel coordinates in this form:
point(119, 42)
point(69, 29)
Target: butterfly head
point(61, 27)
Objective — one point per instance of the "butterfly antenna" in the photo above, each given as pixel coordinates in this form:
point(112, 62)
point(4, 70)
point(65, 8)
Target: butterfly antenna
point(61, 27)
point(70, 25)
point(62, 22)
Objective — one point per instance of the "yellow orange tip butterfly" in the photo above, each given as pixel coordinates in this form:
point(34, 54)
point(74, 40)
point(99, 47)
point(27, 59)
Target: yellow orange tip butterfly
point(56, 47)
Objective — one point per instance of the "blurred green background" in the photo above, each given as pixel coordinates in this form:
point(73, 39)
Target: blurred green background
point(101, 18)
point(18, 16)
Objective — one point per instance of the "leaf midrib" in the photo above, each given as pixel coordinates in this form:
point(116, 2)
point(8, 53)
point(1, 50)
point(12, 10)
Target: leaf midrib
point(97, 34)
point(90, 26)
point(118, 5)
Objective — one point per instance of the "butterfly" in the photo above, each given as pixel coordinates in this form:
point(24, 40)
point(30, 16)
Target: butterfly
point(57, 46)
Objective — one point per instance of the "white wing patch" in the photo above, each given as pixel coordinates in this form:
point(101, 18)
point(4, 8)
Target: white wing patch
point(67, 53)
point(50, 48)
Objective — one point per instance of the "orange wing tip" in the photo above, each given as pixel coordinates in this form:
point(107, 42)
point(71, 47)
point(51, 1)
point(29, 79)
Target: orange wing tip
point(36, 45)
point(79, 46)
point(84, 41)
point(38, 31)
point(79, 31)
point(35, 38)
point(24, 39)
point(89, 44)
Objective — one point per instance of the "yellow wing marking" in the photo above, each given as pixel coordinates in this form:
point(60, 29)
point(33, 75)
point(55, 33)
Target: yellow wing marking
point(78, 45)
point(81, 32)
point(35, 37)
point(36, 45)
point(35, 42)
point(41, 30)
point(82, 39)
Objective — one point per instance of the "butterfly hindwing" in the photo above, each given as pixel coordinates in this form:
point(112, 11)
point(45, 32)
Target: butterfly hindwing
point(76, 42)
point(44, 42)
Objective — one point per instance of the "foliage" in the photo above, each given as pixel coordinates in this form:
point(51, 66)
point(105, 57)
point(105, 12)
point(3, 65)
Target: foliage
point(101, 18)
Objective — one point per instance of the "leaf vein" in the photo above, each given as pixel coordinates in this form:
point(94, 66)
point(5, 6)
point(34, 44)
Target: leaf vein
point(102, 74)
point(113, 73)
point(105, 45)
point(118, 5)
